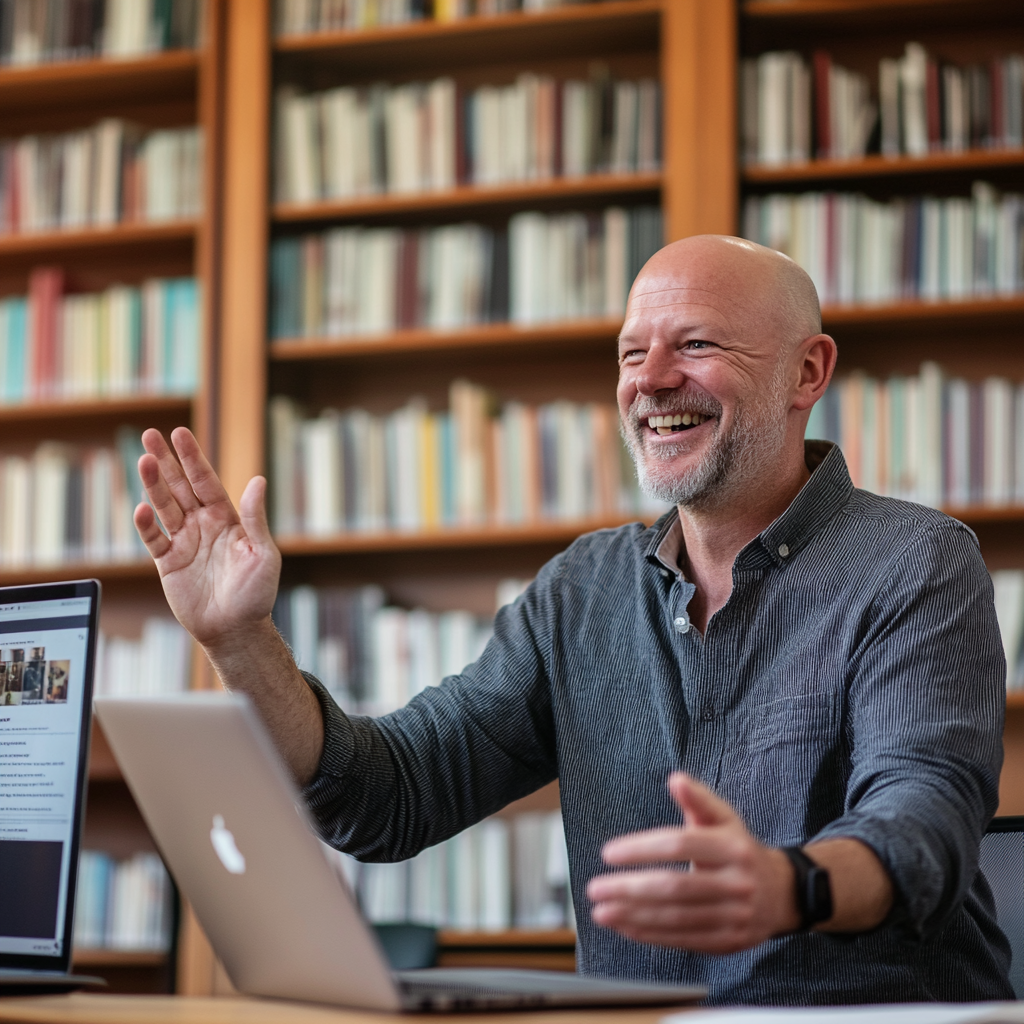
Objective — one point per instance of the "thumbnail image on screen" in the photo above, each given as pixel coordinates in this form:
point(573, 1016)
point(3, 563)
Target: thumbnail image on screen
point(26, 677)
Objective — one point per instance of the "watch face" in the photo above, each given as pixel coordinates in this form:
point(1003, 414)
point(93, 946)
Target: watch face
point(821, 895)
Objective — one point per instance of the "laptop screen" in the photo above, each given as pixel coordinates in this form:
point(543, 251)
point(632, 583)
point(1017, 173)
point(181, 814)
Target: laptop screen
point(47, 650)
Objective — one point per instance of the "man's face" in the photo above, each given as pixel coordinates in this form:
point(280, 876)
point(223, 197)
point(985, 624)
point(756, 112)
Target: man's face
point(702, 393)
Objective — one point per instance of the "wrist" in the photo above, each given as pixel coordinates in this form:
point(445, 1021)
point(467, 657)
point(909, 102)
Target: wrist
point(787, 916)
point(812, 888)
point(239, 646)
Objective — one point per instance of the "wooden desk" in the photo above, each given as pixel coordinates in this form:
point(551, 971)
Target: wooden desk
point(83, 1008)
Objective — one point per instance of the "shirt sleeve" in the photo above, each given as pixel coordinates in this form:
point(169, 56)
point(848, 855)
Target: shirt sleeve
point(926, 702)
point(386, 788)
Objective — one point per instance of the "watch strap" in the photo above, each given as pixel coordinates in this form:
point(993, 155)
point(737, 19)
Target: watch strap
point(813, 888)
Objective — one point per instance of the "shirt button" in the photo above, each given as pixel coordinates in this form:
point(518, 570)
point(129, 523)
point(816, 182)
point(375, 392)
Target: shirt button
point(784, 550)
point(707, 713)
point(665, 573)
point(682, 624)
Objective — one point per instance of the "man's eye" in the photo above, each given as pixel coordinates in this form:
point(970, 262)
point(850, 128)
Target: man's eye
point(696, 344)
point(633, 353)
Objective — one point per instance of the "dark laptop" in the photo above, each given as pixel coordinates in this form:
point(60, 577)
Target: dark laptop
point(47, 657)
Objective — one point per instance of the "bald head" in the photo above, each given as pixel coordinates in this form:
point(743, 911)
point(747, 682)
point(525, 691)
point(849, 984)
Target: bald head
point(766, 288)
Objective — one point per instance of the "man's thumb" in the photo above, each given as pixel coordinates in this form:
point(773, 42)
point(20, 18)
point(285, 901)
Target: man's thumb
point(699, 805)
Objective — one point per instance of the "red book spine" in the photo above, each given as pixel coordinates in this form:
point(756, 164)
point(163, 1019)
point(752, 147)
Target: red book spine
point(461, 156)
point(822, 104)
point(45, 287)
point(934, 107)
point(997, 117)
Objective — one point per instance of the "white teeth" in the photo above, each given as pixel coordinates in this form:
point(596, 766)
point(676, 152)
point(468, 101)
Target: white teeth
point(685, 419)
point(664, 430)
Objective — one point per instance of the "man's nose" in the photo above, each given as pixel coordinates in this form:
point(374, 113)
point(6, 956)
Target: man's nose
point(660, 371)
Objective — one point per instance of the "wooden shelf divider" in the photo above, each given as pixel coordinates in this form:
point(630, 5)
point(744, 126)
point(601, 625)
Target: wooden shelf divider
point(877, 166)
point(555, 937)
point(114, 405)
point(135, 234)
point(99, 79)
point(442, 340)
point(137, 569)
point(464, 196)
point(99, 958)
point(965, 310)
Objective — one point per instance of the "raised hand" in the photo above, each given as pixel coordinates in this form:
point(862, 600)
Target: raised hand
point(219, 567)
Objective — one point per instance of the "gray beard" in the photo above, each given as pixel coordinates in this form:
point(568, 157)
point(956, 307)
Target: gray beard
point(734, 461)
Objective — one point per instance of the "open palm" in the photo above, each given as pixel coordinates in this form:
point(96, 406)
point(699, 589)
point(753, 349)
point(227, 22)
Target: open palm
point(219, 567)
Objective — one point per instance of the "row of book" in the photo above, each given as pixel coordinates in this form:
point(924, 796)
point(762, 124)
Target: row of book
point(472, 464)
point(121, 341)
point(373, 657)
point(860, 250)
point(364, 281)
point(500, 873)
point(123, 905)
point(40, 31)
point(159, 662)
point(928, 438)
point(70, 503)
point(114, 172)
point(420, 137)
point(299, 17)
point(792, 109)
point(1008, 586)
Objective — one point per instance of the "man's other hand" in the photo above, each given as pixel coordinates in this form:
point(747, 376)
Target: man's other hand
point(736, 893)
point(219, 567)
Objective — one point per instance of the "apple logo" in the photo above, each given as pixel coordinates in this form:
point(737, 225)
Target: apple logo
point(225, 848)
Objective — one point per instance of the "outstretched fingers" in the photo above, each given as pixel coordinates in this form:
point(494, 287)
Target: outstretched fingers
point(252, 510)
point(202, 479)
point(173, 475)
point(159, 493)
point(145, 522)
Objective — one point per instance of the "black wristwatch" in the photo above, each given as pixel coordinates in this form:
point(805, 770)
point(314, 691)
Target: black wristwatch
point(813, 888)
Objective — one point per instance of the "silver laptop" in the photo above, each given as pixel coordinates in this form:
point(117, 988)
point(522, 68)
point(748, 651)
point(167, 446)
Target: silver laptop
point(237, 838)
point(47, 655)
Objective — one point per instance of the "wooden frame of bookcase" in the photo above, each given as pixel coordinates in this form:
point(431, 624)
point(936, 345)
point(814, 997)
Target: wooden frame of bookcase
point(30, 93)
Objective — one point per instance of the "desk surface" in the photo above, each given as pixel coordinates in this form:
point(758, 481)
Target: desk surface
point(84, 1008)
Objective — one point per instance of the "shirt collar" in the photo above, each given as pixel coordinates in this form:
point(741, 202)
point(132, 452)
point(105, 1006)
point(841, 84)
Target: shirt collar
point(827, 491)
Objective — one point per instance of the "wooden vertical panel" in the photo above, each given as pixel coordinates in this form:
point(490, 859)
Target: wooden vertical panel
point(244, 249)
point(698, 69)
point(211, 119)
point(1011, 782)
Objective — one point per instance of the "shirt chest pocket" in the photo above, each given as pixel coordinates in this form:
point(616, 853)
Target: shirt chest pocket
point(791, 763)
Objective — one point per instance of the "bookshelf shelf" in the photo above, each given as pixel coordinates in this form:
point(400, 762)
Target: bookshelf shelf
point(471, 196)
point(555, 532)
point(118, 236)
point(566, 31)
point(99, 958)
point(876, 166)
point(967, 311)
point(100, 80)
point(104, 571)
point(882, 10)
point(73, 411)
point(482, 336)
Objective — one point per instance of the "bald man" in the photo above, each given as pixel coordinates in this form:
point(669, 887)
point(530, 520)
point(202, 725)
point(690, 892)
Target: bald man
point(775, 716)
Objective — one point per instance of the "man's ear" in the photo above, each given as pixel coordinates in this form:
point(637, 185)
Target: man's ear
point(816, 360)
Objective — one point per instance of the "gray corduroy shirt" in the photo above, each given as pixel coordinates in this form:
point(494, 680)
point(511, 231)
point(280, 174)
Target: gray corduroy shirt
point(853, 685)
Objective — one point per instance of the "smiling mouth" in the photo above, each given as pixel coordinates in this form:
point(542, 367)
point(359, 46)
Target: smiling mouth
point(676, 422)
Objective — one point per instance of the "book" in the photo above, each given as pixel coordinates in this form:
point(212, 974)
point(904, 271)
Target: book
point(122, 904)
point(924, 105)
point(120, 341)
point(415, 137)
point(929, 438)
point(65, 502)
point(158, 662)
point(114, 172)
point(858, 250)
point(356, 281)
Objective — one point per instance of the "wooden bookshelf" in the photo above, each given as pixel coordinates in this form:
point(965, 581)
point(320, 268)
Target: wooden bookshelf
point(92, 959)
point(552, 950)
point(877, 166)
point(119, 407)
point(100, 81)
point(466, 197)
point(563, 31)
point(123, 237)
point(480, 336)
point(966, 312)
point(139, 570)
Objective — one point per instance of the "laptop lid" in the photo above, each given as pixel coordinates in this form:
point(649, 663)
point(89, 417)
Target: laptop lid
point(47, 655)
point(223, 810)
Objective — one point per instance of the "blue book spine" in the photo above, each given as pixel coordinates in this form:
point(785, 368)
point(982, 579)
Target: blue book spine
point(18, 361)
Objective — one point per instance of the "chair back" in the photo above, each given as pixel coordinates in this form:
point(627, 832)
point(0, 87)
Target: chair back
point(1002, 862)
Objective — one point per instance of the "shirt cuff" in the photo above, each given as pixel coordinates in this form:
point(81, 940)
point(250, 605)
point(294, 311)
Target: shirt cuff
point(336, 757)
